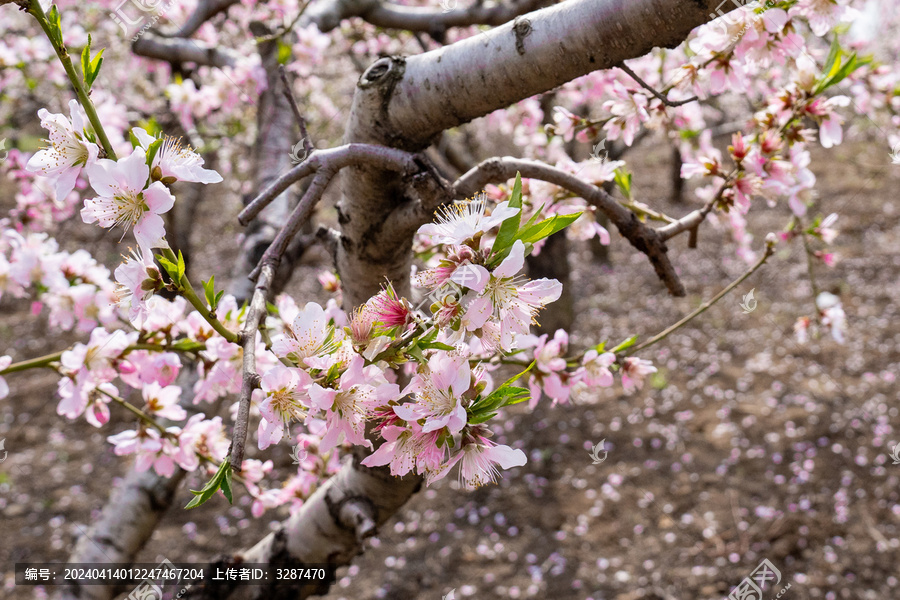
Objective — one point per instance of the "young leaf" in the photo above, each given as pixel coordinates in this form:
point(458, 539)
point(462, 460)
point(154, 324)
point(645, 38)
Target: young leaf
point(54, 25)
point(833, 54)
point(180, 266)
point(90, 68)
point(623, 182)
point(510, 227)
point(626, 344)
point(170, 267)
point(546, 228)
point(222, 476)
point(86, 60)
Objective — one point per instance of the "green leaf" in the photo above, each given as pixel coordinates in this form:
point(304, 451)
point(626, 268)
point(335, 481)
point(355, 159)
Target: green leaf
point(833, 54)
point(170, 267)
point(284, 52)
point(222, 479)
point(86, 60)
point(209, 290)
point(180, 266)
point(435, 346)
point(90, 68)
point(481, 417)
point(546, 228)
point(226, 486)
point(152, 149)
point(510, 227)
point(623, 182)
point(626, 344)
point(54, 26)
point(839, 71)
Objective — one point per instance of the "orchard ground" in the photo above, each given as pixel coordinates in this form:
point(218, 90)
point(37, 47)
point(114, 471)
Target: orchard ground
point(746, 446)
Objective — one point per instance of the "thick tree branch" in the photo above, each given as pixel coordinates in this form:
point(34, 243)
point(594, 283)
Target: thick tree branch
point(645, 239)
point(333, 159)
point(181, 50)
point(426, 94)
point(206, 10)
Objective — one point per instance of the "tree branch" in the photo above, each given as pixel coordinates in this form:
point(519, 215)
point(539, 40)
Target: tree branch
point(649, 88)
point(645, 239)
point(181, 50)
point(333, 159)
point(206, 10)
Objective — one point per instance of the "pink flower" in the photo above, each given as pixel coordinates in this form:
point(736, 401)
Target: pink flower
point(388, 309)
point(306, 337)
point(457, 223)
point(149, 448)
point(406, 448)
point(285, 399)
point(98, 354)
point(163, 401)
point(633, 372)
point(69, 151)
point(565, 122)
point(201, 435)
point(224, 376)
point(173, 162)
point(123, 200)
point(478, 458)
point(438, 390)
point(348, 405)
point(833, 317)
point(516, 301)
point(138, 278)
point(596, 368)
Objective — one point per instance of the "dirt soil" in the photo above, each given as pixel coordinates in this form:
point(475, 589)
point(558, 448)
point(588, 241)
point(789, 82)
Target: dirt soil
point(747, 446)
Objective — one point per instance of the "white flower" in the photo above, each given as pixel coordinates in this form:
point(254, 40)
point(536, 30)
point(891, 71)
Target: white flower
point(175, 162)
point(122, 199)
point(68, 153)
point(456, 223)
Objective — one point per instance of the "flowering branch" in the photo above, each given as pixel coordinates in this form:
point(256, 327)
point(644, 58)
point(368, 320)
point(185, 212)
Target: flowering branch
point(187, 290)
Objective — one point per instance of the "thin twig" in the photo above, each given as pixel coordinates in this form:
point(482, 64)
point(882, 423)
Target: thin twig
point(649, 88)
point(301, 122)
point(770, 249)
point(255, 315)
